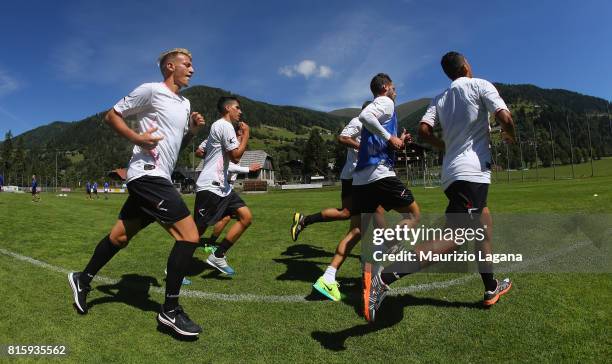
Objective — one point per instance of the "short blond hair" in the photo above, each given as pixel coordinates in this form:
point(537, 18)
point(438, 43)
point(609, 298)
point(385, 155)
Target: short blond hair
point(165, 56)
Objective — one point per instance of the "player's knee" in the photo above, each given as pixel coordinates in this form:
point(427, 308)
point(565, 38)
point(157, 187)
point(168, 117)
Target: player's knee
point(120, 241)
point(246, 218)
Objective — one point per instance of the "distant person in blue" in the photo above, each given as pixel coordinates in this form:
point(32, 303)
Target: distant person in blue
point(94, 189)
point(106, 190)
point(34, 187)
point(88, 190)
point(1, 182)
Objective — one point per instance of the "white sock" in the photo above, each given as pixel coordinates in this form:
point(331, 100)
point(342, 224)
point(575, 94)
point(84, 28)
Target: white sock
point(330, 275)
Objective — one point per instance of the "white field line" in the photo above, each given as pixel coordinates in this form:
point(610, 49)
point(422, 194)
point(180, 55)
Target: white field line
point(248, 297)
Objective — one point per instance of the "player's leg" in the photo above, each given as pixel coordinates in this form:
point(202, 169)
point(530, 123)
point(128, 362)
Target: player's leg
point(185, 234)
point(230, 205)
point(300, 222)
point(119, 237)
point(327, 284)
point(218, 229)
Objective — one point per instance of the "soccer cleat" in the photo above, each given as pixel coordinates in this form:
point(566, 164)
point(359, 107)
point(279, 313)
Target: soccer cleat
point(210, 249)
point(220, 264)
point(329, 290)
point(297, 226)
point(374, 290)
point(178, 321)
point(491, 297)
point(79, 292)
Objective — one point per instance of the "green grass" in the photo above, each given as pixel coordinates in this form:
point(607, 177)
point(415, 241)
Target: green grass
point(545, 317)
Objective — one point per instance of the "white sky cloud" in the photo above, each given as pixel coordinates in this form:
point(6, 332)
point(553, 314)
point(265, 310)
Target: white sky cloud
point(7, 83)
point(307, 68)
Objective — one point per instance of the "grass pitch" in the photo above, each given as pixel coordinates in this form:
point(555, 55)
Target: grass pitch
point(264, 316)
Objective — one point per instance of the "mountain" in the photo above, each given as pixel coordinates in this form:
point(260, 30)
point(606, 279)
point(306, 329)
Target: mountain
point(89, 148)
point(403, 110)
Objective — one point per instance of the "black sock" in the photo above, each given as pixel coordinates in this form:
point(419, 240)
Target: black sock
point(178, 263)
point(213, 239)
point(222, 248)
point(104, 252)
point(311, 219)
point(489, 282)
point(398, 270)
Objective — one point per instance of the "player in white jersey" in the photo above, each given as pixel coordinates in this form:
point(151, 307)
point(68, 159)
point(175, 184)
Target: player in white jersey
point(349, 137)
point(215, 197)
point(165, 126)
point(462, 112)
point(233, 170)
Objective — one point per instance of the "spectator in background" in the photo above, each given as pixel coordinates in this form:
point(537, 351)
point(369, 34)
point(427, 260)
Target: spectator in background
point(106, 190)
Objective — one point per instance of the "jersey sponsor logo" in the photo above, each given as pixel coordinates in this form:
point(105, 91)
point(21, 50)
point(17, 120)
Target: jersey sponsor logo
point(148, 167)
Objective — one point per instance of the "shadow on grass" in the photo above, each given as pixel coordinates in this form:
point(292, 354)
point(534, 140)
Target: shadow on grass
point(168, 331)
point(301, 269)
point(390, 313)
point(132, 289)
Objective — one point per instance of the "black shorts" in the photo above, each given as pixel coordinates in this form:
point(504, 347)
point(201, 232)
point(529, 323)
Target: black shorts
point(33, 190)
point(389, 192)
point(347, 188)
point(153, 198)
point(210, 207)
point(465, 202)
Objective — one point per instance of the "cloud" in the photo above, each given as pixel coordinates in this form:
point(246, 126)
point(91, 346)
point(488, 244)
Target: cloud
point(307, 68)
point(7, 84)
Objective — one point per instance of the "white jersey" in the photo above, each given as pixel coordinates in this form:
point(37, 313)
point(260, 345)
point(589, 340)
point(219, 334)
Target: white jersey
point(463, 113)
point(233, 170)
point(351, 130)
point(214, 176)
point(373, 117)
point(155, 105)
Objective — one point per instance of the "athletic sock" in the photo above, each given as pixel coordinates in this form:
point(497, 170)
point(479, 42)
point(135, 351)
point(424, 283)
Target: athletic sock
point(311, 219)
point(104, 252)
point(222, 248)
point(213, 239)
point(398, 270)
point(178, 263)
point(330, 275)
point(489, 282)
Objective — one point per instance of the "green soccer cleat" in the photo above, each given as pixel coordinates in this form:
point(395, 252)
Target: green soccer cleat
point(329, 290)
point(297, 226)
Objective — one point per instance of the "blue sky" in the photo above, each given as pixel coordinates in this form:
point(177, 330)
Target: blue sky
point(67, 60)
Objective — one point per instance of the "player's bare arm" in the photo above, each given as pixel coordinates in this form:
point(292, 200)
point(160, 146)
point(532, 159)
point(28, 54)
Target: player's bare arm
point(507, 124)
point(237, 153)
point(145, 140)
point(347, 141)
point(426, 133)
point(196, 121)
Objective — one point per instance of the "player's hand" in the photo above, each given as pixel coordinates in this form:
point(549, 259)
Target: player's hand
point(197, 121)
point(396, 142)
point(406, 137)
point(254, 167)
point(147, 140)
point(244, 128)
point(507, 138)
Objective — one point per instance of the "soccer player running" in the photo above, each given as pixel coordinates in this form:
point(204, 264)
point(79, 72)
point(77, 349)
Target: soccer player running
point(374, 180)
point(349, 137)
point(215, 197)
point(462, 112)
point(233, 170)
point(166, 125)
point(94, 188)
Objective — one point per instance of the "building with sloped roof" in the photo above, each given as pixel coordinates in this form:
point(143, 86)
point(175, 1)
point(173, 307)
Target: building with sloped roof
point(266, 173)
